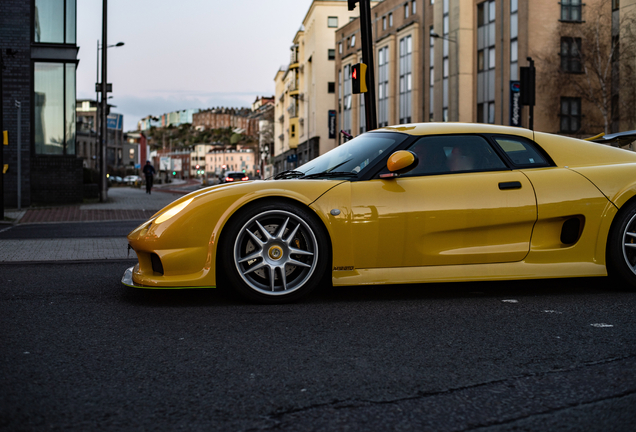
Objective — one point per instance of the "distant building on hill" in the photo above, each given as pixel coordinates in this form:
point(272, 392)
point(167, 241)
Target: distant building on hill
point(239, 119)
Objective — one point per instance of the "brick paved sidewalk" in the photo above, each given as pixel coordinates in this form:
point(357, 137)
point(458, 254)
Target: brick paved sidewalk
point(124, 203)
point(76, 214)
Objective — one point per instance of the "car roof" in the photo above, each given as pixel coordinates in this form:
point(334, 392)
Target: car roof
point(448, 128)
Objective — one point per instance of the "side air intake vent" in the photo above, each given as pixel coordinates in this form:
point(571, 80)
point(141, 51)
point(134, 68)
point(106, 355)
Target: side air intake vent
point(571, 231)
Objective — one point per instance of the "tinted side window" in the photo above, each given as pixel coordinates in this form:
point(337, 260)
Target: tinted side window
point(521, 152)
point(454, 153)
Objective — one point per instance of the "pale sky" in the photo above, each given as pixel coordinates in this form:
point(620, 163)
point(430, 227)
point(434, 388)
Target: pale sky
point(186, 53)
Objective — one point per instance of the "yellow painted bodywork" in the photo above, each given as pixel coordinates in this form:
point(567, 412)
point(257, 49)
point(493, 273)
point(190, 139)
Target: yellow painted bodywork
point(187, 242)
point(436, 228)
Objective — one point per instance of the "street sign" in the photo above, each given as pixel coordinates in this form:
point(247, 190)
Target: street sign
point(164, 163)
point(515, 103)
point(115, 121)
point(332, 124)
point(98, 88)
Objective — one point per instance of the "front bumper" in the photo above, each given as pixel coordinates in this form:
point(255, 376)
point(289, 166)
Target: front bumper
point(127, 279)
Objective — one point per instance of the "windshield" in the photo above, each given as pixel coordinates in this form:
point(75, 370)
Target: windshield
point(353, 156)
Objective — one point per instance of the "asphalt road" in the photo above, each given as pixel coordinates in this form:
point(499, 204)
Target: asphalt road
point(69, 230)
point(82, 352)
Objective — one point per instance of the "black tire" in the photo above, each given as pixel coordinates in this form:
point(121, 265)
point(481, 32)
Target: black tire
point(274, 253)
point(621, 246)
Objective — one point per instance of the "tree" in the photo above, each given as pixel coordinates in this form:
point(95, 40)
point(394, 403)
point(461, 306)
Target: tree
point(593, 56)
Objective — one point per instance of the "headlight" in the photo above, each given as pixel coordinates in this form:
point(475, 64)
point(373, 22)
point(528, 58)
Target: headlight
point(173, 211)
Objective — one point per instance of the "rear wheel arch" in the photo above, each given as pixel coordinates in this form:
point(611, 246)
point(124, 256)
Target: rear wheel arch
point(621, 259)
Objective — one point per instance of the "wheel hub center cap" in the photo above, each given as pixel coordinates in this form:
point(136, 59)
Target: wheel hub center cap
point(275, 252)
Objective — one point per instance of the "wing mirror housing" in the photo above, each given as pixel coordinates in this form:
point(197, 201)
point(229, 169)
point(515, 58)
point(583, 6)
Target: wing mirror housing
point(400, 162)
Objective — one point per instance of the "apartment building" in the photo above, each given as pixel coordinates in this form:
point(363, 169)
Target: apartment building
point(197, 158)
point(459, 60)
point(304, 104)
point(219, 161)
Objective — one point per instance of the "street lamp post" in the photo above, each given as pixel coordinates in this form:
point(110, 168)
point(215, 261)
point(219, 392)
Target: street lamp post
point(102, 134)
point(456, 97)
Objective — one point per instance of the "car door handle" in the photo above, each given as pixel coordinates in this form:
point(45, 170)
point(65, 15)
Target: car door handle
point(510, 185)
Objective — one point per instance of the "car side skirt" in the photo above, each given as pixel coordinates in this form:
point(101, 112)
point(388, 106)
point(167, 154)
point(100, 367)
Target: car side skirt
point(465, 273)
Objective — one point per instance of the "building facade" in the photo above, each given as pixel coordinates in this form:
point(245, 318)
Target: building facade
point(39, 49)
point(197, 158)
point(304, 104)
point(460, 60)
point(219, 161)
point(87, 140)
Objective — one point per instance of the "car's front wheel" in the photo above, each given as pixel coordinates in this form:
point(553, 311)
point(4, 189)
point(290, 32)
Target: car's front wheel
point(621, 246)
point(274, 253)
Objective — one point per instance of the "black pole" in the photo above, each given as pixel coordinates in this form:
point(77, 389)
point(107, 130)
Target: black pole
point(103, 142)
point(367, 58)
point(2, 140)
point(532, 77)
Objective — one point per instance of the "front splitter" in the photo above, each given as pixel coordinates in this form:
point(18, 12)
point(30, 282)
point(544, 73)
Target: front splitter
point(127, 279)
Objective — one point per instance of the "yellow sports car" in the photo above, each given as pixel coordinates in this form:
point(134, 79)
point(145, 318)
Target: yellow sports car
point(405, 204)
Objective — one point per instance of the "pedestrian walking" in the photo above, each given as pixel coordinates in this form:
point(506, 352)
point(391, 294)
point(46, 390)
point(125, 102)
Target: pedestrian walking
point(149, 171)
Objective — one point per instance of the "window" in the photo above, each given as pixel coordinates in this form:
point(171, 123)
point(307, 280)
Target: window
point(570, 115)
point(570, 54)
point(406, 48)
point(616, 4)
point(55, 21)
point(331, 87)
point(514, 33)
point(383, 23)
point(383, 86)
point(362, 114)
point(331, 55)
point(570, 10)
point(445, 59)
point(431, 73)
point(486, 62)
point(454, 153)
point(353, 41)
point(521, 153)
point(346, 117)
point(340, 48)
point(54, 100)
point(332, 22)
point(413, 7)
point(390, 20)
point(406, 10)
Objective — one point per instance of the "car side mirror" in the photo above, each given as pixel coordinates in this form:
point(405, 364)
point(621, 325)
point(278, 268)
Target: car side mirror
point(400, 162)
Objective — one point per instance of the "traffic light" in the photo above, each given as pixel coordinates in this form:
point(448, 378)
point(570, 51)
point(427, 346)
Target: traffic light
point(174, 173)
point(359, 78)
point(528, 77)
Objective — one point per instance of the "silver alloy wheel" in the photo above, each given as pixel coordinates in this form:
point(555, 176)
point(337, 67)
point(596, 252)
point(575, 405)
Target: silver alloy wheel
point(629, 244)
point(275, 252)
